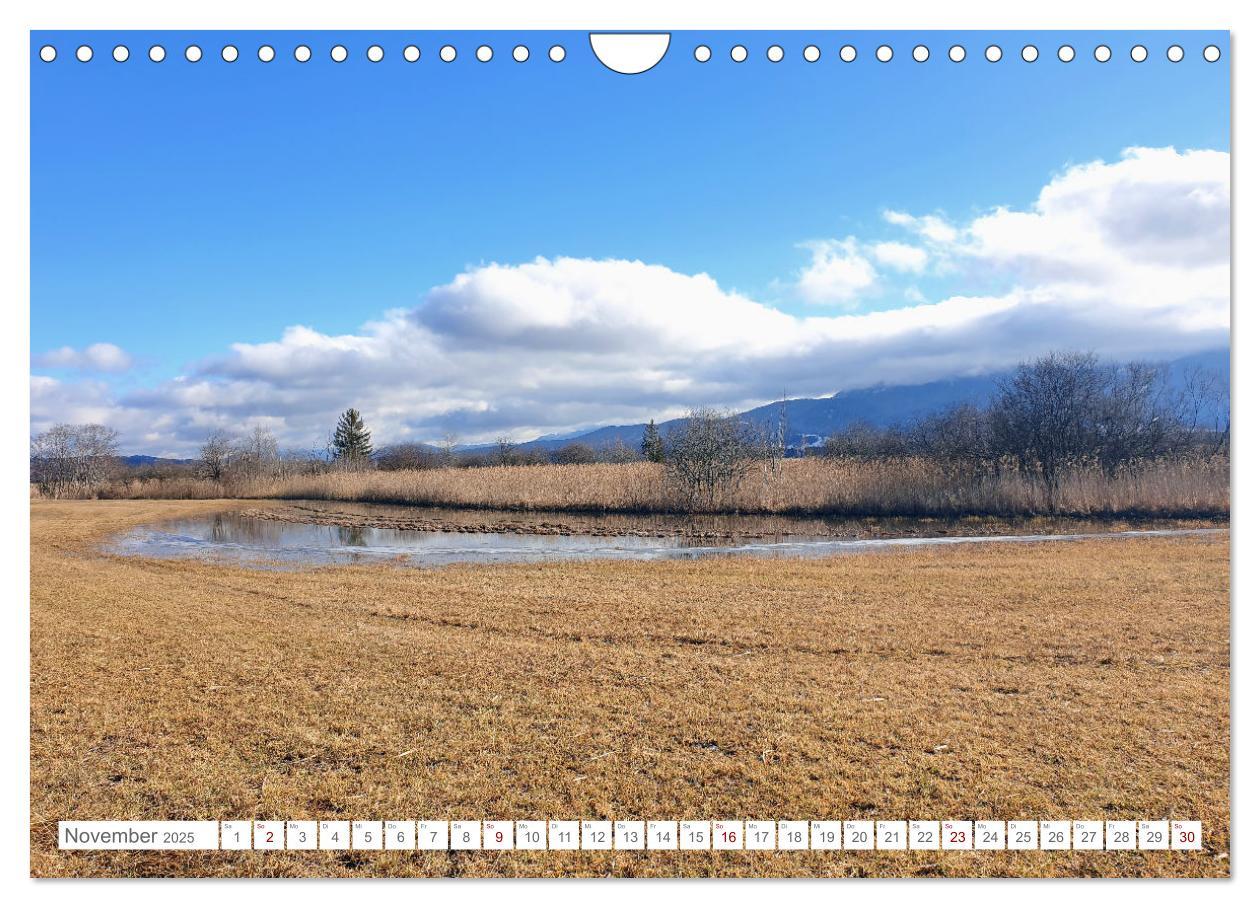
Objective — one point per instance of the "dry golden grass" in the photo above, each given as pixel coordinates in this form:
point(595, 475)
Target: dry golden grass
point(1063, 680)
point(908, 486)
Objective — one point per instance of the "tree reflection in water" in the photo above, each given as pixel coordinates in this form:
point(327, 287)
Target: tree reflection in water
point(232, 528)
point(355, 536)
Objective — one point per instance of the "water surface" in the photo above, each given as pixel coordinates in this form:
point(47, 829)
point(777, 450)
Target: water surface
point(244, 539)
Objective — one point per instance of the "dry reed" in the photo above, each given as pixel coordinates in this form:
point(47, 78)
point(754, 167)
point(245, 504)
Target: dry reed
point(901, 486)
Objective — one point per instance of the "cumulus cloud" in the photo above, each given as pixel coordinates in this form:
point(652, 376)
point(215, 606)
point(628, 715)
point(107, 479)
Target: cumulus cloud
point(1128, 258)
point(841, 273)
point(94, 358)
point(1154, 211)
point(900, 256)
point(601, 307)
point(837, 273)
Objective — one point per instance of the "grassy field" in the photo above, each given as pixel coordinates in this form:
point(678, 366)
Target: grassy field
point(891, 486)
point(1058, 680)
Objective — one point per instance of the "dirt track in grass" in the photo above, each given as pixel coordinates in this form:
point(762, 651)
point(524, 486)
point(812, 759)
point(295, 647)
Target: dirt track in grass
point(1063, 680)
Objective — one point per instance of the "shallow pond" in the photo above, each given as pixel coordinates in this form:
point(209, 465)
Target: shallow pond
point(306, 534)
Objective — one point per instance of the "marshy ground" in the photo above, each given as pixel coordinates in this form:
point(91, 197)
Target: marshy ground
point(1083, 679)
point(702, 527)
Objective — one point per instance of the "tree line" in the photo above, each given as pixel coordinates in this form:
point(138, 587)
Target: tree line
point(1061, 411)
point(1052, 414)
point(257, 454)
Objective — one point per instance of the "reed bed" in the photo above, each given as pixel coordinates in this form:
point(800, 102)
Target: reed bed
point(896, 486)
point(178, 488)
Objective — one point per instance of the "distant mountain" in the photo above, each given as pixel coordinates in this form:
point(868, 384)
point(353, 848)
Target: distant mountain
point(148, 460)
point(880, 405)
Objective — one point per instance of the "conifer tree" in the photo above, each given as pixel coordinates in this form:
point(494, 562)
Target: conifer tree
point(653, 445)
point(351, 439)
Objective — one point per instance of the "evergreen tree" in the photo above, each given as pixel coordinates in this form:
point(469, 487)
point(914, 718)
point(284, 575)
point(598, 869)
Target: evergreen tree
point(653, 445)
point(351, 440)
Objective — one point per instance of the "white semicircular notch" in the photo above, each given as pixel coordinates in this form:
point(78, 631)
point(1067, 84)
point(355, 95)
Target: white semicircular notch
point(630, 54)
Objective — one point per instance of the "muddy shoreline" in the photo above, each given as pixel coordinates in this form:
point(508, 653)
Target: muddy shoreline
point(700, 527)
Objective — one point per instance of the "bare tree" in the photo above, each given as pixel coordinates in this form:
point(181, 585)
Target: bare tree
point(1043, 415)
point(258, 454)
point(73, 459)
point(771, 443)
point(505, 451)
point(619, 452)
point(448, 444)
point(1207, 401)
point(409, 456)
point(52, 454)
point(860, 440)
point(781, 431)
point(575, 452)
point(1065, 409)
point(216, 453)
point(962, 432)
point(708, 454)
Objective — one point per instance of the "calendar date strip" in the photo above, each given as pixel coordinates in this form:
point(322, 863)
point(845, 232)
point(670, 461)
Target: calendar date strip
point(632, 835)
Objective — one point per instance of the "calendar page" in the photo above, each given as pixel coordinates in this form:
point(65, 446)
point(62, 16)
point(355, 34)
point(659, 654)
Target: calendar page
point(658, 453)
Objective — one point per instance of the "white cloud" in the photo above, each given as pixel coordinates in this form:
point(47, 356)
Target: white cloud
point(837, 273)
point(1153, 211)
point(94, 358)
point(930, 227)
point(900, 256)
point(1128, 258)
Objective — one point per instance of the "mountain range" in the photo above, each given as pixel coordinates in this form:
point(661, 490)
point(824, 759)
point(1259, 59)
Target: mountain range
point(879, 405)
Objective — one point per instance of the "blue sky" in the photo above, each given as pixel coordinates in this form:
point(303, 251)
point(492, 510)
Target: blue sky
point(179, 209)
